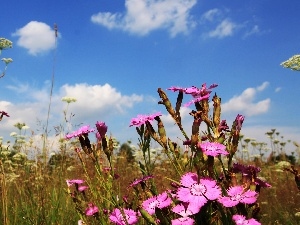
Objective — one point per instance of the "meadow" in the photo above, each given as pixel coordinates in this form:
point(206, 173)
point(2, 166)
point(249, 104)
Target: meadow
point(208, 178)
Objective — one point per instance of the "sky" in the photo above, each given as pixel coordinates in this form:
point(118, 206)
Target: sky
point(113, 55)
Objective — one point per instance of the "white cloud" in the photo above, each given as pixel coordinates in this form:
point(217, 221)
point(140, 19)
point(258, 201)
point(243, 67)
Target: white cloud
point(97, 99)
point(210, 15)
point(224, 29)
point(255, 30)
point(36, 37)
point(143, 16)
point(278, 89)
point(245, 102)
point(94, 102)
point(263, 86)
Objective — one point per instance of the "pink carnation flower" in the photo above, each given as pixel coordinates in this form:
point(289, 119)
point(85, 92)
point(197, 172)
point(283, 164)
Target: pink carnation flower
point(101, 128)
point(141, 119)
point(91, 210)
point(81, 131)
point(241, 220)
point(237, 195)
point(141, 180)
point(185, 211)
point(75, 181)
point(117, 218)
point(159, 201)
point(213, 148)
point(250, 172)
point(197, 193)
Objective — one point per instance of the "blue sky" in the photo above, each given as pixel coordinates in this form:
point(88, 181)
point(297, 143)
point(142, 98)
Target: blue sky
point(113, 55)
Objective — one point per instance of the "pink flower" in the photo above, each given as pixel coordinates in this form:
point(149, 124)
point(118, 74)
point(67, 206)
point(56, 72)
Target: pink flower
point(241, 220)
point(239, 121)
point(213, 148)
point(141, 180)
point(173, 88)
point(81, 131)
point(2, 113)
point(223, 126)
point(185, 211)
point(101, 128)
point(159, 201)
point(82, 188)
point(250, 172)
point(141, 119)
point(197, 193)
point(117, 217)
point(75, 181)
point(237, 195)
point(91, 210)
point(197, 99)
point(199, 94)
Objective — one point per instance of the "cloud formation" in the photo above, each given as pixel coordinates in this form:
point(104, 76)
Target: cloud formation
point(36, 37)
point(245, 102)
point(94, 102)
point(224, 29)
point(143, 16)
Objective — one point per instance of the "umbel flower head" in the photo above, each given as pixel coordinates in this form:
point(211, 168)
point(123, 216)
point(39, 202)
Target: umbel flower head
point(68, 99)
point(4, 44)
point(197, 193)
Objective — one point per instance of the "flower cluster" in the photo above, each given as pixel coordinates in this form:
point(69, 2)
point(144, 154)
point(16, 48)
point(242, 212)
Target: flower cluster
point(198, 94)
point(80, 132)
point(201, 194)
point(142, 119)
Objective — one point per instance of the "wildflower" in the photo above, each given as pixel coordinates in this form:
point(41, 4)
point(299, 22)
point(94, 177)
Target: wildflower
point(236, 195)
point(7, 60)
point(199, 94)
point(197, 191)
point(82, 188)
point(68, 99)
point(141, 119)
point(117, 217)
point(213, 148)
point(91, 210)
point(2, 113)
point(185, 211)
point(173, 88)
point(13, 134)
point(241, 220)
point(249, 172)
point(76, 181)
point(138, 181)
point(81, 131)
point(159, 201)
point(81, 222)
point(102, 129)
point(4, 44)
point(293, 63)
point(223, 126)
point(239, 121)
